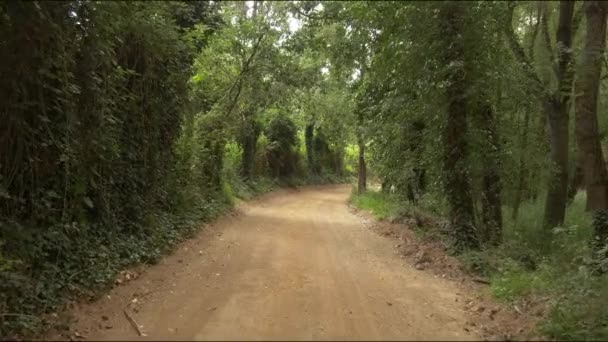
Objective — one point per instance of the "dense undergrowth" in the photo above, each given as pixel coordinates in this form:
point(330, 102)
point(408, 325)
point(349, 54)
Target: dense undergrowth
point(555, 273)
point(125, 125)
point(42, 269)
point(82, 260)
point(119, 136)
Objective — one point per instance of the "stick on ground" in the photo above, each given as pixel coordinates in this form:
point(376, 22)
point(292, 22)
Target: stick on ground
point(133, 323)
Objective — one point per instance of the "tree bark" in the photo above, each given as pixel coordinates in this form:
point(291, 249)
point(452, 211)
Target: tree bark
point(362, 183)
point(557, 108)
point(417, 181)
point(492, 183)
point(576, 181)
point(308, 141)
point(522, 180)
point(595, 176)
point(522, 188)
point(248, 142)
point(557, 192)
point(457, 178)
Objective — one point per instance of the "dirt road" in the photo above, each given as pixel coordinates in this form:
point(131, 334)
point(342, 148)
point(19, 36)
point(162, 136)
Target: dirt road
point(296, 265)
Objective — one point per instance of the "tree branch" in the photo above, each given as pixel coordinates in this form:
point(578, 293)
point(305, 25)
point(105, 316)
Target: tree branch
point(317, 17)
point(519, 52)
point(238, 84)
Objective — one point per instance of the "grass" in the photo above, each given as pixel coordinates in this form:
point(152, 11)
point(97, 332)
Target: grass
point(241, 189)
point(382, 206)
point(554, 266)
point(237, 188)
point(531, 264)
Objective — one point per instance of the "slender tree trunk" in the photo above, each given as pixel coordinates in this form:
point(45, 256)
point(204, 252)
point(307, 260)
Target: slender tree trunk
point(543, 138)
point(557, 108)
point(576, 182)
point(523, 168)
point(218, 153)
point(248, 157)
point(457, 178)
point(308, 141)
point(491, 199)
point(362, 183)
point(557, 192)
point(248, 142)
point(417, 182)
point(595, 176)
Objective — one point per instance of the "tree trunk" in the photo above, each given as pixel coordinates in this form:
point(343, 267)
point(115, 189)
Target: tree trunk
point(457, 180)
point(543, 137)
point(218, 152)
point(492, 184)
point(362, 184)
point(522, 180)
point(557, 108)
point(308, 141)
point(248, 142)
point(595, 176)
point(557, 192)
point(417, 182)
point(576, 182)
point(248, 157)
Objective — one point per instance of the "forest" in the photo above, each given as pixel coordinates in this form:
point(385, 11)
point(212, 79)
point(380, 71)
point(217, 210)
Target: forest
point(124, 125)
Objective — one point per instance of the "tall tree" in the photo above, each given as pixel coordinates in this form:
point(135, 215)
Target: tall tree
point(457, 178)
point(362, 170)
point(362, 166)
point(492, 183)
point(557, 109)
point(556, 103)
point(586, 122)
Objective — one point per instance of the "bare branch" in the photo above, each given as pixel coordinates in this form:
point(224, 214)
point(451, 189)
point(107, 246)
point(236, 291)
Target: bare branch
point(238, 84)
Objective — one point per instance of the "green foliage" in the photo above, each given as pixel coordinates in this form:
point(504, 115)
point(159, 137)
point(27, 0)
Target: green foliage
point(557, 269)
point(282, 146)
point(94, 170)
point(528, 265)
point(579, 310)
point(398, 69)
point(351, 154)
point(381, 205)
point(126, 124)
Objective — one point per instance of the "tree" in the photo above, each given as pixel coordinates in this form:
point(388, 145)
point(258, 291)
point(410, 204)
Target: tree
point(555, 104)
point(245, 71)
point(587, 88)
point(557, 109)
point(457, 185)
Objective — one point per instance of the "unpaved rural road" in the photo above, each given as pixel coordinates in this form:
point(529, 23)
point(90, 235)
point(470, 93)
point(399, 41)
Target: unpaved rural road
point(293, 265)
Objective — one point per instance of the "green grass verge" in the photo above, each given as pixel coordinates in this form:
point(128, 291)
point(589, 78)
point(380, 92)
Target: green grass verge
point(380, 205)
point(531, 263)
